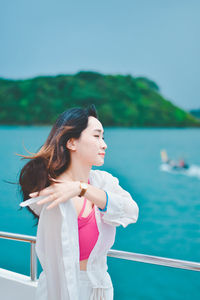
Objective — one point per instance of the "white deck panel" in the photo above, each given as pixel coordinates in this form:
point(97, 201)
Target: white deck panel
point(15, 286)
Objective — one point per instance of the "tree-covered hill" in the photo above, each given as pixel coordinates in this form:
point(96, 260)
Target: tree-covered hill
point(120, 100)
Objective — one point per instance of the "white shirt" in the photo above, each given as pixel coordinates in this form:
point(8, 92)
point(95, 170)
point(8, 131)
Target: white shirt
point(57, 243)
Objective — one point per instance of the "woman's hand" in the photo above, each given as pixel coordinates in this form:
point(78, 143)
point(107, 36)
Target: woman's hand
point(58, 192)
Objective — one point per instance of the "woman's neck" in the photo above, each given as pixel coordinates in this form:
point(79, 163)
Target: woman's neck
point(75, 174)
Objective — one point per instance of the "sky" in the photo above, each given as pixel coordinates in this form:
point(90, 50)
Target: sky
point(156, 39)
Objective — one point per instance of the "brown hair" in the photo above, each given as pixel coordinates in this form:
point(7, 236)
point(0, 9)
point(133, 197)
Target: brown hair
point(53, 158)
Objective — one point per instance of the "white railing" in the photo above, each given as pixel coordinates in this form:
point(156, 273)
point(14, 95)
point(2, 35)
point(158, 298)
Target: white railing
point(29, 239)
point(156, 260)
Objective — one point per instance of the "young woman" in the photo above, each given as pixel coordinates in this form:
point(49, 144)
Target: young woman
point(78, 208)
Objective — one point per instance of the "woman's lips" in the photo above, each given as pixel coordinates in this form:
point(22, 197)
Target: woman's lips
point(103, 154)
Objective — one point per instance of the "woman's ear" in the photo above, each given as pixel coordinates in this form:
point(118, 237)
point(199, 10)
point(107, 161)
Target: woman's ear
point(71, 144)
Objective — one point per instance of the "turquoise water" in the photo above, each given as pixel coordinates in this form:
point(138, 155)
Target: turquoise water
point(169, 218)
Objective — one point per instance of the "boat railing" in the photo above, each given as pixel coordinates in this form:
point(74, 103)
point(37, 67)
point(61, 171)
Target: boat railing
point(29, 239)
point(156, 260)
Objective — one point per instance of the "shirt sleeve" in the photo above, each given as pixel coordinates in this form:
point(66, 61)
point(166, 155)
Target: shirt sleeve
point(121, 208)
point(32, 203)
point(49, 251)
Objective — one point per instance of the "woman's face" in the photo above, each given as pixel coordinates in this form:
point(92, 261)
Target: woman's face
point(90, 147)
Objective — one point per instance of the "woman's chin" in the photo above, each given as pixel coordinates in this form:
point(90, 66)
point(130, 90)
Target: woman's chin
point(99, 163)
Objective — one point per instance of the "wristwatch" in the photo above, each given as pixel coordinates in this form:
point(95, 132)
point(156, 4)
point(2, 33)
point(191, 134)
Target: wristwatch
point(83, 187)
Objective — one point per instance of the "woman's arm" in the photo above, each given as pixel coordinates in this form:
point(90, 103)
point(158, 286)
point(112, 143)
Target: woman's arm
point(115, 203)
point(121, 208)
point(96, 195)
point(62, 192)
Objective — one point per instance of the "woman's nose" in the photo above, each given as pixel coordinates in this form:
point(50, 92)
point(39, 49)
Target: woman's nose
point(104, 145)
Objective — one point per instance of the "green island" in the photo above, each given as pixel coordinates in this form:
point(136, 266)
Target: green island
point(121, 100)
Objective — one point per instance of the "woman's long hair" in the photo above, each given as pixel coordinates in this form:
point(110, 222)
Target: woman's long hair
point(53, 158)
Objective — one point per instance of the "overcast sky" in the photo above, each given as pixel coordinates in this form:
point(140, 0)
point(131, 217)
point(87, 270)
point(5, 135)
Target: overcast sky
point(157, 39)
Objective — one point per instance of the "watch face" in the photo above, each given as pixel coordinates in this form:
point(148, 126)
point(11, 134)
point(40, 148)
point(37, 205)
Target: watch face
point(84, 185)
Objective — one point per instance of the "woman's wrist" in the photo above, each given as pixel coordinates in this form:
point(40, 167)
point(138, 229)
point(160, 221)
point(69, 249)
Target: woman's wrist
point(105, 208)
point(78, 188)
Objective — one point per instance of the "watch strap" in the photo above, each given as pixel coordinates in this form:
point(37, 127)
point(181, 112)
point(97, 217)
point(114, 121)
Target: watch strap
point(83, 190)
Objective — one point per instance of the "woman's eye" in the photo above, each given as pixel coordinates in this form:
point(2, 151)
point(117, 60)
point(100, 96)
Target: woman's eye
point(98, 136)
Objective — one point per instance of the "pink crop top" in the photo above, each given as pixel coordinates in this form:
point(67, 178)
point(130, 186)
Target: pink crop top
point(88, 232)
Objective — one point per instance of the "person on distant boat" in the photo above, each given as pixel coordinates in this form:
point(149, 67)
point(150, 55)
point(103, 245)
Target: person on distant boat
point(76, 231)
point(182, 164)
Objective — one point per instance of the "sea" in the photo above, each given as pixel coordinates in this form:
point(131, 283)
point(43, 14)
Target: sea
point(169, 207)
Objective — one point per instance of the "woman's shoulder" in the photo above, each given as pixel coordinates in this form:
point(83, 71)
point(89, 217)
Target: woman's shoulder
point(99, 173)
point(102, 176)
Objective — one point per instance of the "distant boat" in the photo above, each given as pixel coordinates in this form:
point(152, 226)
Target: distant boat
point(171, 166)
